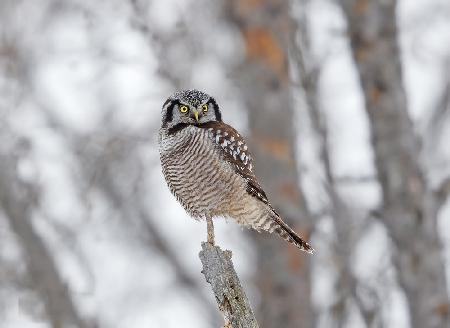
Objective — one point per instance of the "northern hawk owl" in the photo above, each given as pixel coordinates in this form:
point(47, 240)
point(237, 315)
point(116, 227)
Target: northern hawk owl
point(209, 169)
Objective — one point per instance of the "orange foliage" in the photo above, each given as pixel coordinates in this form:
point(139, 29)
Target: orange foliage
point(361, 53)
point(278, 148)
point(296, 260)
point(290, 191)
point(360, 7)
point(443, 309)
point(245, 7)
point(262, 45)
point(375, 94)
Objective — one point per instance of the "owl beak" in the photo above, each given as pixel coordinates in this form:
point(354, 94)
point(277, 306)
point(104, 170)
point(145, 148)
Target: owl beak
point(196, 115)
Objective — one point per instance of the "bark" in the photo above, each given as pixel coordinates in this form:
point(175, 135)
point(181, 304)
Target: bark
point(409, 206)
point(283, 274)
point(230, 296)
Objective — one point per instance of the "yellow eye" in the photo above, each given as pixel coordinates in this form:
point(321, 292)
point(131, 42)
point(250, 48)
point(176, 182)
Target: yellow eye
point(205, 108)
point(184, 109)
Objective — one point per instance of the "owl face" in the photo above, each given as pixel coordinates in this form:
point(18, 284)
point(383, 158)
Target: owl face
point(190, 107)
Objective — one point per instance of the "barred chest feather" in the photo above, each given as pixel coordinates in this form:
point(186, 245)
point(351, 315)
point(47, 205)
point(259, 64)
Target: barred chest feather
point(193, 164)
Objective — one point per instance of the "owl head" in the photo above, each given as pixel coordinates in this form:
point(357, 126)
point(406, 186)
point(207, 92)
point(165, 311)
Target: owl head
point(189, 107)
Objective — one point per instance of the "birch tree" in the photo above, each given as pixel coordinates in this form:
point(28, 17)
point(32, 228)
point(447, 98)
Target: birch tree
point(410, 206)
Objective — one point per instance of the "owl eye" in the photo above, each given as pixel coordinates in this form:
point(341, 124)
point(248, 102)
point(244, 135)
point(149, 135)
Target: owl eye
point(183, 109)
point(205, 108)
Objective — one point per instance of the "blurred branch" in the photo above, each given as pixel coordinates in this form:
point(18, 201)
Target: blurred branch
point(16, 200)
point(100, 158)
point(442, 108)
point(355, 179)
point(443, 192)
point(171, 256)
point(347, 284)
point(230, 296)
point(369, 312)
point(441, 112)
point(100, 170)
point(159, 42)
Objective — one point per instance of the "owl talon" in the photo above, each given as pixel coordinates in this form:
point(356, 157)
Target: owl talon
point(210, 231)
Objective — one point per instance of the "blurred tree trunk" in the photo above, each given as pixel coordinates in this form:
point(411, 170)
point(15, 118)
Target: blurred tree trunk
point(409, 207)
point(283, 273)
point(347, 229)
point(19, 199)
point(16, 201)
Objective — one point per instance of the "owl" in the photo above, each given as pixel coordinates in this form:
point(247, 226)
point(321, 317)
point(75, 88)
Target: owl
point(209, 169)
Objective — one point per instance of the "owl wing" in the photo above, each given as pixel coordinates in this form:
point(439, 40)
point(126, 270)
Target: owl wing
point(235, 151)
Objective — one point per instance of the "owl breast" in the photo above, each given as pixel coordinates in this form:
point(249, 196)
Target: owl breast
point(202, 182)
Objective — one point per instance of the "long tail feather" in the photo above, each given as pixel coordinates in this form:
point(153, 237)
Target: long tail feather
point(290, 235)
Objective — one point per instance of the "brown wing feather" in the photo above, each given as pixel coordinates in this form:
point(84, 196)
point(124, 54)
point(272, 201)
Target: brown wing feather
point(235, 151)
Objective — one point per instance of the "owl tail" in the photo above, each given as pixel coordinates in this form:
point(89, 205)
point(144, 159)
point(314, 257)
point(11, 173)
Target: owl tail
point(289, 235)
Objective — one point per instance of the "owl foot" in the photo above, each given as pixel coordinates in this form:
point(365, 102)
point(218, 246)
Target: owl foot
point(210, 230)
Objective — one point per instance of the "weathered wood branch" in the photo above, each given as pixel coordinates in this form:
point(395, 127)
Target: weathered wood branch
point(219, 272)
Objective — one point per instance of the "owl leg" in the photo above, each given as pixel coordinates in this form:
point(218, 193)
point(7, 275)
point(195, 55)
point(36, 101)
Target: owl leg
point(210, 230)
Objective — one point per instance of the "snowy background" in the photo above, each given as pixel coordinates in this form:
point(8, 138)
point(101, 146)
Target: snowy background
point(81, 89)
